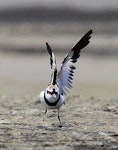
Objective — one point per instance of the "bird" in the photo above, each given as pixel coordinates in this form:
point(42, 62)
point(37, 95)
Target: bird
point(54, 95)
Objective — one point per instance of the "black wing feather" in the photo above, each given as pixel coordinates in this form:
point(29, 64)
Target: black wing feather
point(50, 52)
point(84, 41)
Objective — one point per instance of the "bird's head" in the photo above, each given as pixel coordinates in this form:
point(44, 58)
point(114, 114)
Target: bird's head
point(52, 90)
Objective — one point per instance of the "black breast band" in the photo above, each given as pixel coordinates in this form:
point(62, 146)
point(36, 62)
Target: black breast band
point(51, 103)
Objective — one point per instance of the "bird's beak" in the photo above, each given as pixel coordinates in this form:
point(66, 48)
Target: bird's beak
point(54, 95)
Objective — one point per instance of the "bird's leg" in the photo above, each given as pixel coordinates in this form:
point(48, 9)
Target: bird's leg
point(45, 111)
point(59, 120)
point(44, 114)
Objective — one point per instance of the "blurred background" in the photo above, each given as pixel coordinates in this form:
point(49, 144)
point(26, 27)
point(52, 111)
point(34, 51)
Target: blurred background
point(25, 27)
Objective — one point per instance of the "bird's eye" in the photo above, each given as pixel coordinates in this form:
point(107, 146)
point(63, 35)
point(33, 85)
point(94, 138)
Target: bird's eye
point(48, 92)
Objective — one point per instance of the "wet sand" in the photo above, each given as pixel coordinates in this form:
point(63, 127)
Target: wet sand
point(23, 74)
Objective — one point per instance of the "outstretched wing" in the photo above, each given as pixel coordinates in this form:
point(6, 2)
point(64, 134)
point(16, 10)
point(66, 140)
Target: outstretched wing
point(53, 65)
point(52, 56)
point(67, 69)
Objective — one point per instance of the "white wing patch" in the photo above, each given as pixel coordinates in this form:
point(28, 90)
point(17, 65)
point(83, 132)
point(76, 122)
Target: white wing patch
point(65, 77)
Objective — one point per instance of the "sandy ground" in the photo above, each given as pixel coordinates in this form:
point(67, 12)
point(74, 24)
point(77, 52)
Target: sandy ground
point(89, 117)
point(87, 124)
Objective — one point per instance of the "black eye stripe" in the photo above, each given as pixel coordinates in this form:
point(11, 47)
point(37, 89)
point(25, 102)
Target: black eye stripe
point(48, 92)
point(55, 93)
